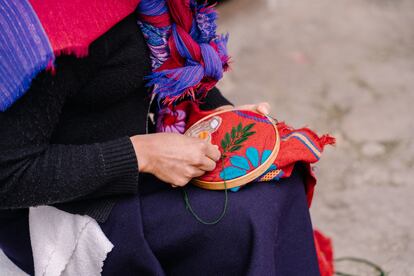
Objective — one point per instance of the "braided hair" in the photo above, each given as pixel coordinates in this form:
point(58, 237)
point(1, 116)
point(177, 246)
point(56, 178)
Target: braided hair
point(187, 56)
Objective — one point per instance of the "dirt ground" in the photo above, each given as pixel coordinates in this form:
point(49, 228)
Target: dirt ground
point(347, 68)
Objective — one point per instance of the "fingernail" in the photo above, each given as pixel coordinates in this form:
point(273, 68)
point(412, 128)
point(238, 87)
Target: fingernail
point(264, 110)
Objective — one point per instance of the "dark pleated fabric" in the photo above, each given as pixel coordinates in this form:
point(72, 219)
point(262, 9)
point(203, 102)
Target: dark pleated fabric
point(266, 231)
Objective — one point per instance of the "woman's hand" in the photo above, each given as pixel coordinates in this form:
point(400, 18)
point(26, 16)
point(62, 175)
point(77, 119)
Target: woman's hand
point(263, 108)
point(174, 158)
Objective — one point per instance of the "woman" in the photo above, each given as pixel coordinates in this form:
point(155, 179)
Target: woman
point(81, 140)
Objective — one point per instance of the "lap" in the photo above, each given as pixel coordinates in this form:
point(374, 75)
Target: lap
point(266, 231)
point(245, 240)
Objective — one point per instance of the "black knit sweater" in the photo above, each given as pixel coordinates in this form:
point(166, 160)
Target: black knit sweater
point(66, 141)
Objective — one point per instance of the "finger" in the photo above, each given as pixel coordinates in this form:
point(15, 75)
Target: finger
point(248, 107)
point(180, 182)
point(213, 152)
point(198, 172)
point(263, 108)
point(207, 165)
point(224, 107)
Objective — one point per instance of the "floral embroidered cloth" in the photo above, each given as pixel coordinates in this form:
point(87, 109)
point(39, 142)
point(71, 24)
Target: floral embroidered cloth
point(247, 144)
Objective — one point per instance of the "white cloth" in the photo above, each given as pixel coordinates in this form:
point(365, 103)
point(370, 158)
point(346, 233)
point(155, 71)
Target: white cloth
point(66, 244)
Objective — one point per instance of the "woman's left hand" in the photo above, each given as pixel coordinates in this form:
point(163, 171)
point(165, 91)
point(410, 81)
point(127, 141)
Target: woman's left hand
point(263, 108)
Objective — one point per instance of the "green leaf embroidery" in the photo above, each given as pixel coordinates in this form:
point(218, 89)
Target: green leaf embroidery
point(223, 144)
point(239, 127)
point(248, 127)
point(235, 148)
point(233, 140)
point(241, 140)
point(227, 137)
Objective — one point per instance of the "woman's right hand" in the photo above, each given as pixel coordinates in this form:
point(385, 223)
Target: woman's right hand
point(174, 158)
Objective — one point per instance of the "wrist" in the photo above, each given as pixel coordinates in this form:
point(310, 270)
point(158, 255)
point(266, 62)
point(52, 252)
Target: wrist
point(141, 148)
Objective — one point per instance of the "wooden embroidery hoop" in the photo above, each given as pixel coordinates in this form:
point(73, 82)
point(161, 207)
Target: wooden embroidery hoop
point(242, 180)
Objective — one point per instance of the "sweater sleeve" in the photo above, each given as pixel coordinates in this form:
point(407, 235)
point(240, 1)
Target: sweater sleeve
point(35, 172)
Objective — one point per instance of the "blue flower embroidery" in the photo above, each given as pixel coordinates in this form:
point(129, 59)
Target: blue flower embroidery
point(241, 165)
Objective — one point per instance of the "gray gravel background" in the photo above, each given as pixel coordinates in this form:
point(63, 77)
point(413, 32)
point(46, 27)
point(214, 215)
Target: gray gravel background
point(345, 67)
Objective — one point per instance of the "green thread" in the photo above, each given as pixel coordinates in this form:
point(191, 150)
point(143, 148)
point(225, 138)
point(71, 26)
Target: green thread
point(233, 140)
point(197, 217)
point(359, 260)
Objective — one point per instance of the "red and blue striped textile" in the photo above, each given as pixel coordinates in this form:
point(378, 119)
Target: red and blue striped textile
point(188, 56)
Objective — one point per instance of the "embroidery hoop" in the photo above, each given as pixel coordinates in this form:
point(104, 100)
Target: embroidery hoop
point(245, 179)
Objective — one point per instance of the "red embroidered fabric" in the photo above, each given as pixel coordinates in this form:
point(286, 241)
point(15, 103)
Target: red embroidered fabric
point(296, 145)
point(247, 141)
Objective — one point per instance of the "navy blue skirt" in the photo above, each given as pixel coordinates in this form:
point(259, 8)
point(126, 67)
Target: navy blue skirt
point(266, 231)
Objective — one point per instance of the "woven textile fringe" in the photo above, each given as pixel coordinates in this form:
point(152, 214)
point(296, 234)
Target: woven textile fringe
point(196, 56)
